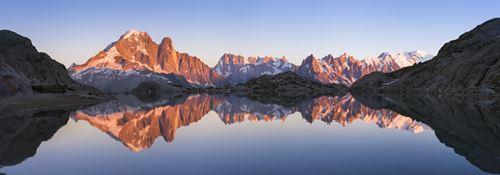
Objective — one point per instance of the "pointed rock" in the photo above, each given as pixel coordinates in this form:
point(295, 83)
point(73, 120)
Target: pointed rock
point(167, 57)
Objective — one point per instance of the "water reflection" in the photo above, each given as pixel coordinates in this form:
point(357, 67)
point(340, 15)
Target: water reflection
point(138, 124)
point(22, 133)
point(471, 129)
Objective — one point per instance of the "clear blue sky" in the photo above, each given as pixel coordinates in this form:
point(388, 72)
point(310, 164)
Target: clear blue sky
point(72, 31)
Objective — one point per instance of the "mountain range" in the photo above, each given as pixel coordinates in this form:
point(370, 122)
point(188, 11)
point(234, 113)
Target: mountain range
point(136, 56)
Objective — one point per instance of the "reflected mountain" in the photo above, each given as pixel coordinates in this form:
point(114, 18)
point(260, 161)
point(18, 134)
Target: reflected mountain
point(137, 124)
point(21, 134)
point(345, 110)
point(471, 129)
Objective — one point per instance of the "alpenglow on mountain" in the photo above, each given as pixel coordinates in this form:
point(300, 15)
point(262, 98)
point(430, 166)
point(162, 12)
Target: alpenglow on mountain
point(135, 58)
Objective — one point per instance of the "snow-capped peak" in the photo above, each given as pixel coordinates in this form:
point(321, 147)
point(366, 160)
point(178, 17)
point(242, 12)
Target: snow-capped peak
point(131, 32)
point(418, 52)
point(403, 59)
point(283, 58)
point(423, 55)
point(384, 54)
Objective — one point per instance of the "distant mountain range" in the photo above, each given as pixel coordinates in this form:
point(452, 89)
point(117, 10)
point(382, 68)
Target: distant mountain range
point(136, 56)
point(345, 69)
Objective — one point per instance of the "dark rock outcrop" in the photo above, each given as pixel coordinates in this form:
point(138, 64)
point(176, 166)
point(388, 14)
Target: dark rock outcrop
point(151, 91)
point(287, 88)
point(468, 65)
point(25, 71)
point(290, 82)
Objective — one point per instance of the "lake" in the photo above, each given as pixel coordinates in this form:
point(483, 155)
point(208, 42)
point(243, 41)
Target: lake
point(217, 134)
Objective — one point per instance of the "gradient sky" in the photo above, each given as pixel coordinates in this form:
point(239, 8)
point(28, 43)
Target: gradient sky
point(73, 31)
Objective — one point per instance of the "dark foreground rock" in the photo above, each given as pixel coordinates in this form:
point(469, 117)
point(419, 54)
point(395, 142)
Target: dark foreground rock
point(25, 72)
point(151, 91)
point(471, 129)
point(468, 65)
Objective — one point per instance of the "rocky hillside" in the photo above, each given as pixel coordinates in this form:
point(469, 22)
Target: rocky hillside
point(288, 82)
point(467, 65)
point(153, 90)
point(287, 88)
point(25, 71)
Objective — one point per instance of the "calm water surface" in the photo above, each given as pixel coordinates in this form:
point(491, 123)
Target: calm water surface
point(205, 134)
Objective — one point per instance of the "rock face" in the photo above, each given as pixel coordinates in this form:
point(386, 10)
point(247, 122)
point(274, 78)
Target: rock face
point(230, 63)
point(467, 65)
point(24, 70)
point(136, 52)
point(236, 69)
point(321, 71)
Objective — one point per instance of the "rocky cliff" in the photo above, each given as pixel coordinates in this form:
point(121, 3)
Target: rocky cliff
point(24, 71)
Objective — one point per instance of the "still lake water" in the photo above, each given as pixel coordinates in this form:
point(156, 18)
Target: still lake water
point(205, 134)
